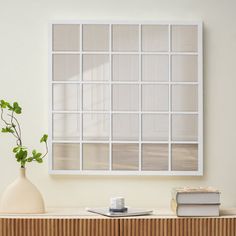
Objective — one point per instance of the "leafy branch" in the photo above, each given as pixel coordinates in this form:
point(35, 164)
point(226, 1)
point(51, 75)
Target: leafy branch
point(12, 126)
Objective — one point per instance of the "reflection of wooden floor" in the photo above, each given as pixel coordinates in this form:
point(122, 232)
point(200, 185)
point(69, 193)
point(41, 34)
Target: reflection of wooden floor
point(185, 157)
point(155, 157)
point(96, 156)
point(66, 156)
point(126, 157)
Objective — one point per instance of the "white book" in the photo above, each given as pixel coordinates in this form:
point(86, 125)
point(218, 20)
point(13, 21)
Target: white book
point(196, 195)
point(195, 209)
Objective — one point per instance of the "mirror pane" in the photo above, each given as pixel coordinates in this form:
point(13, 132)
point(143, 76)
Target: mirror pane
point(185, 157)
point(125, 67)
point(125, 97)
point(125, 157)
point(95, 67)
point(155, 127)
point(66, 126)
point(155, 68)
point(125, 127)
point(155, 97)
point(65, 97)
point(95, 156)
point(155, 38)
point(66, 37)
point(95, 37)
point(184, 127)
point(184, 68)
point(155, 157)
point(125, 37)
point(66, 156)
point(95, 127)
point(96, 97)
point(184, 38)
point(184, 97)
point(66, 67)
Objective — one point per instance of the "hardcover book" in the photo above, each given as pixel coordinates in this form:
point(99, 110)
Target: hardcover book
point(199, 195)
point(195, 209)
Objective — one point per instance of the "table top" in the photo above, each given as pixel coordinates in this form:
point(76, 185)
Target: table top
point(82, 213)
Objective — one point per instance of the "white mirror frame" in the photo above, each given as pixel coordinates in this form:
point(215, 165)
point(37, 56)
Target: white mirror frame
point(169, 112)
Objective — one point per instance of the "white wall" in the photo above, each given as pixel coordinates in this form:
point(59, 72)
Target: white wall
point(24, 76)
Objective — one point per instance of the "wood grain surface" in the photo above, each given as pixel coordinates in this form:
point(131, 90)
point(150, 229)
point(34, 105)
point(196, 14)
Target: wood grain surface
point(119, 227)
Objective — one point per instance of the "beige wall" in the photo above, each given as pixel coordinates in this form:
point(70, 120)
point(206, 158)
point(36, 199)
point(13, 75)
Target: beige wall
point(24, 77)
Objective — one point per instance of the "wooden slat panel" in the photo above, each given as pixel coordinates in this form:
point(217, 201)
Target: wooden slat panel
point(119, 227)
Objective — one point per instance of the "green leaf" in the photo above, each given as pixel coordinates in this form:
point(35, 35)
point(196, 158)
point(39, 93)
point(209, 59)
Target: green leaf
point(16, 108)
point(18, 156)
point(4, 130)
point(10, 108)
point(7, 130)
point(38, 155)
point(30, 159)
point(39, 160)
point(44, 138)
point(21, 155)
point(16, 149)
point(15, 105)
point(3, 104)
point(24, 153)
point(34, 152)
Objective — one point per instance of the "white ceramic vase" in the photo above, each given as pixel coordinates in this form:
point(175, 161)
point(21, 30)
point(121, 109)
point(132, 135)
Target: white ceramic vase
point(22, 197)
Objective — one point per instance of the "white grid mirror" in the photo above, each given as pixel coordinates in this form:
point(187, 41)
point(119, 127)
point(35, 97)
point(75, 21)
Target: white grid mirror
point(126, 98)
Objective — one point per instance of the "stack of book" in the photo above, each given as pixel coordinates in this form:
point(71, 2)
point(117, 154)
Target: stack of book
point(195, 201)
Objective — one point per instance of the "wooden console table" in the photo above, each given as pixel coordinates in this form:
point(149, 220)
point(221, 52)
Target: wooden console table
point(81, 223)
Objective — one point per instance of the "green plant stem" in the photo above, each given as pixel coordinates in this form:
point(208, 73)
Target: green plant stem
point(14, 127)
point(45, 154)
point(7, 124)
point(46, 144)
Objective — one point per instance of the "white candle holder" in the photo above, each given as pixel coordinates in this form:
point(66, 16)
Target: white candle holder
point(117, 204)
